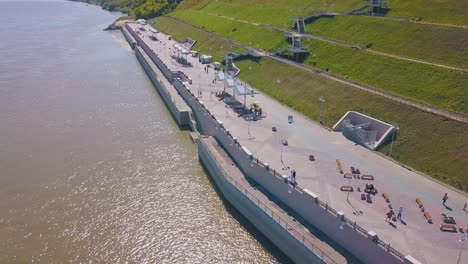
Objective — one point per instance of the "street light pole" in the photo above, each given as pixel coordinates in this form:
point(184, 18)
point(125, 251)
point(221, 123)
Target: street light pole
point(322, 101)
point(393, 138)
point(462, 240)
point(349, 184)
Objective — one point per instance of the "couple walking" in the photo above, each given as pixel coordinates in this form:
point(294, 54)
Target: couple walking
point(391, 213)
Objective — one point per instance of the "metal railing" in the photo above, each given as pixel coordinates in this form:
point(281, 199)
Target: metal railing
point(275, 216)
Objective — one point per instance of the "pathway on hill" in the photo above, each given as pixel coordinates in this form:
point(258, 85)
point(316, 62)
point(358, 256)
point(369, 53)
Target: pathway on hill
point(410, 102)
point(342, 43)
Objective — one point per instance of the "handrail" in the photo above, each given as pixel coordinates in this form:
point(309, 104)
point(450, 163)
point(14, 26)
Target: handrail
point(277, 218)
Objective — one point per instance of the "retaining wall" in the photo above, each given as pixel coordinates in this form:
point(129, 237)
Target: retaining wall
point(130, 39)
point(364, 245)
point(359, 243)
point(182, 117)
point(236, 196)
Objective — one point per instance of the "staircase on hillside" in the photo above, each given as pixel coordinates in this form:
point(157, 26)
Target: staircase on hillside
point(300, 25)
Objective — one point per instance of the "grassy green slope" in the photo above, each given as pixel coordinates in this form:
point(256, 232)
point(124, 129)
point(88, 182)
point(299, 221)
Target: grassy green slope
point(426, 142)
point(434, 85)
point(439, 11)
point(278, 12)
point(440, 44)
point(206, 43)
point(242, 32)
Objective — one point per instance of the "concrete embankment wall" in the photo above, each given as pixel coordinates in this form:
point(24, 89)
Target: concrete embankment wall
point(362, 244)
point(262, 221)
point(156, 70)
point(355, 240)
point(131, 41)
point(182, 117)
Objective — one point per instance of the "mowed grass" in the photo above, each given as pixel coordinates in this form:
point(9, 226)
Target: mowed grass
point(428, 143)
point(206, 43)
point(438, 11)
point(278, 12)
point(434, 85)
point(430, 84)
point(432, 43)
point(243, 32)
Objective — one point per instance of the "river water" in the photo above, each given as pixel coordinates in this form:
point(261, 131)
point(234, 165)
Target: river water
point(92, 166)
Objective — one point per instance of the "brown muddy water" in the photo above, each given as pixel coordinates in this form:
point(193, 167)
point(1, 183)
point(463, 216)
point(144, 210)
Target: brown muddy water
point(92, 166)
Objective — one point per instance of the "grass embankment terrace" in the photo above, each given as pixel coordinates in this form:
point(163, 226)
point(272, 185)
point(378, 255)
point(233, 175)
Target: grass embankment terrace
point(206, 43)
point(446, 11)
point(432, 43)
point(434, 85)
point(429, 143)
point(278, 12)
point(430, 84)
point(243, 32)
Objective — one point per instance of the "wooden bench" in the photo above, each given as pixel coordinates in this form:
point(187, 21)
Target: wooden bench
point(419, 202)
point(385, 196)
point(367, 177)
point(347, 188)
point(428, 217)
point(448, 228)
point(348, 175)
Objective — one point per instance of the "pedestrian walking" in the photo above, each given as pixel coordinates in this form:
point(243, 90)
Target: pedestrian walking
point(444, 199)
point(464, 207)
point(294, 177)
point(389, 215)
point(400, 211)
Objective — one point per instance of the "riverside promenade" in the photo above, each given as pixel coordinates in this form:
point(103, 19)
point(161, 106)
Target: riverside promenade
point(412, 236)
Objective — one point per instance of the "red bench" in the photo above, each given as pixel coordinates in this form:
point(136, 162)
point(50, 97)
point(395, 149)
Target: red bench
point(385, 196)
point(428, 217)
point(419, 202)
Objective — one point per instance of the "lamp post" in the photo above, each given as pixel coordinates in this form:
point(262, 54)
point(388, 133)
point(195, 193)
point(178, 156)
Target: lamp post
point(322, 101)
point(349, 184)
point(393, 137)
point(462, 240)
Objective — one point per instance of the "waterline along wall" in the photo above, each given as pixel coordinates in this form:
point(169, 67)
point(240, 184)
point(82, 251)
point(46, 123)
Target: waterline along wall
point(365, 245)
point(153, 66)
point(264, 217)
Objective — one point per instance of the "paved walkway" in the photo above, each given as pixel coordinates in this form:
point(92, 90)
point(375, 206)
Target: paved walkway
point(414, 236)
point(320, 248)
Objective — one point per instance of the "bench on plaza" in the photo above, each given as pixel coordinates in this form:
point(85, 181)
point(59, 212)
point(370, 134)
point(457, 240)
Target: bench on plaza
point(367, 177)
point(428, 217)
point(448, 219)
point(419, 202)
point(348, 175)
point(347, 188)
point(448, 228)
point(385, 196)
